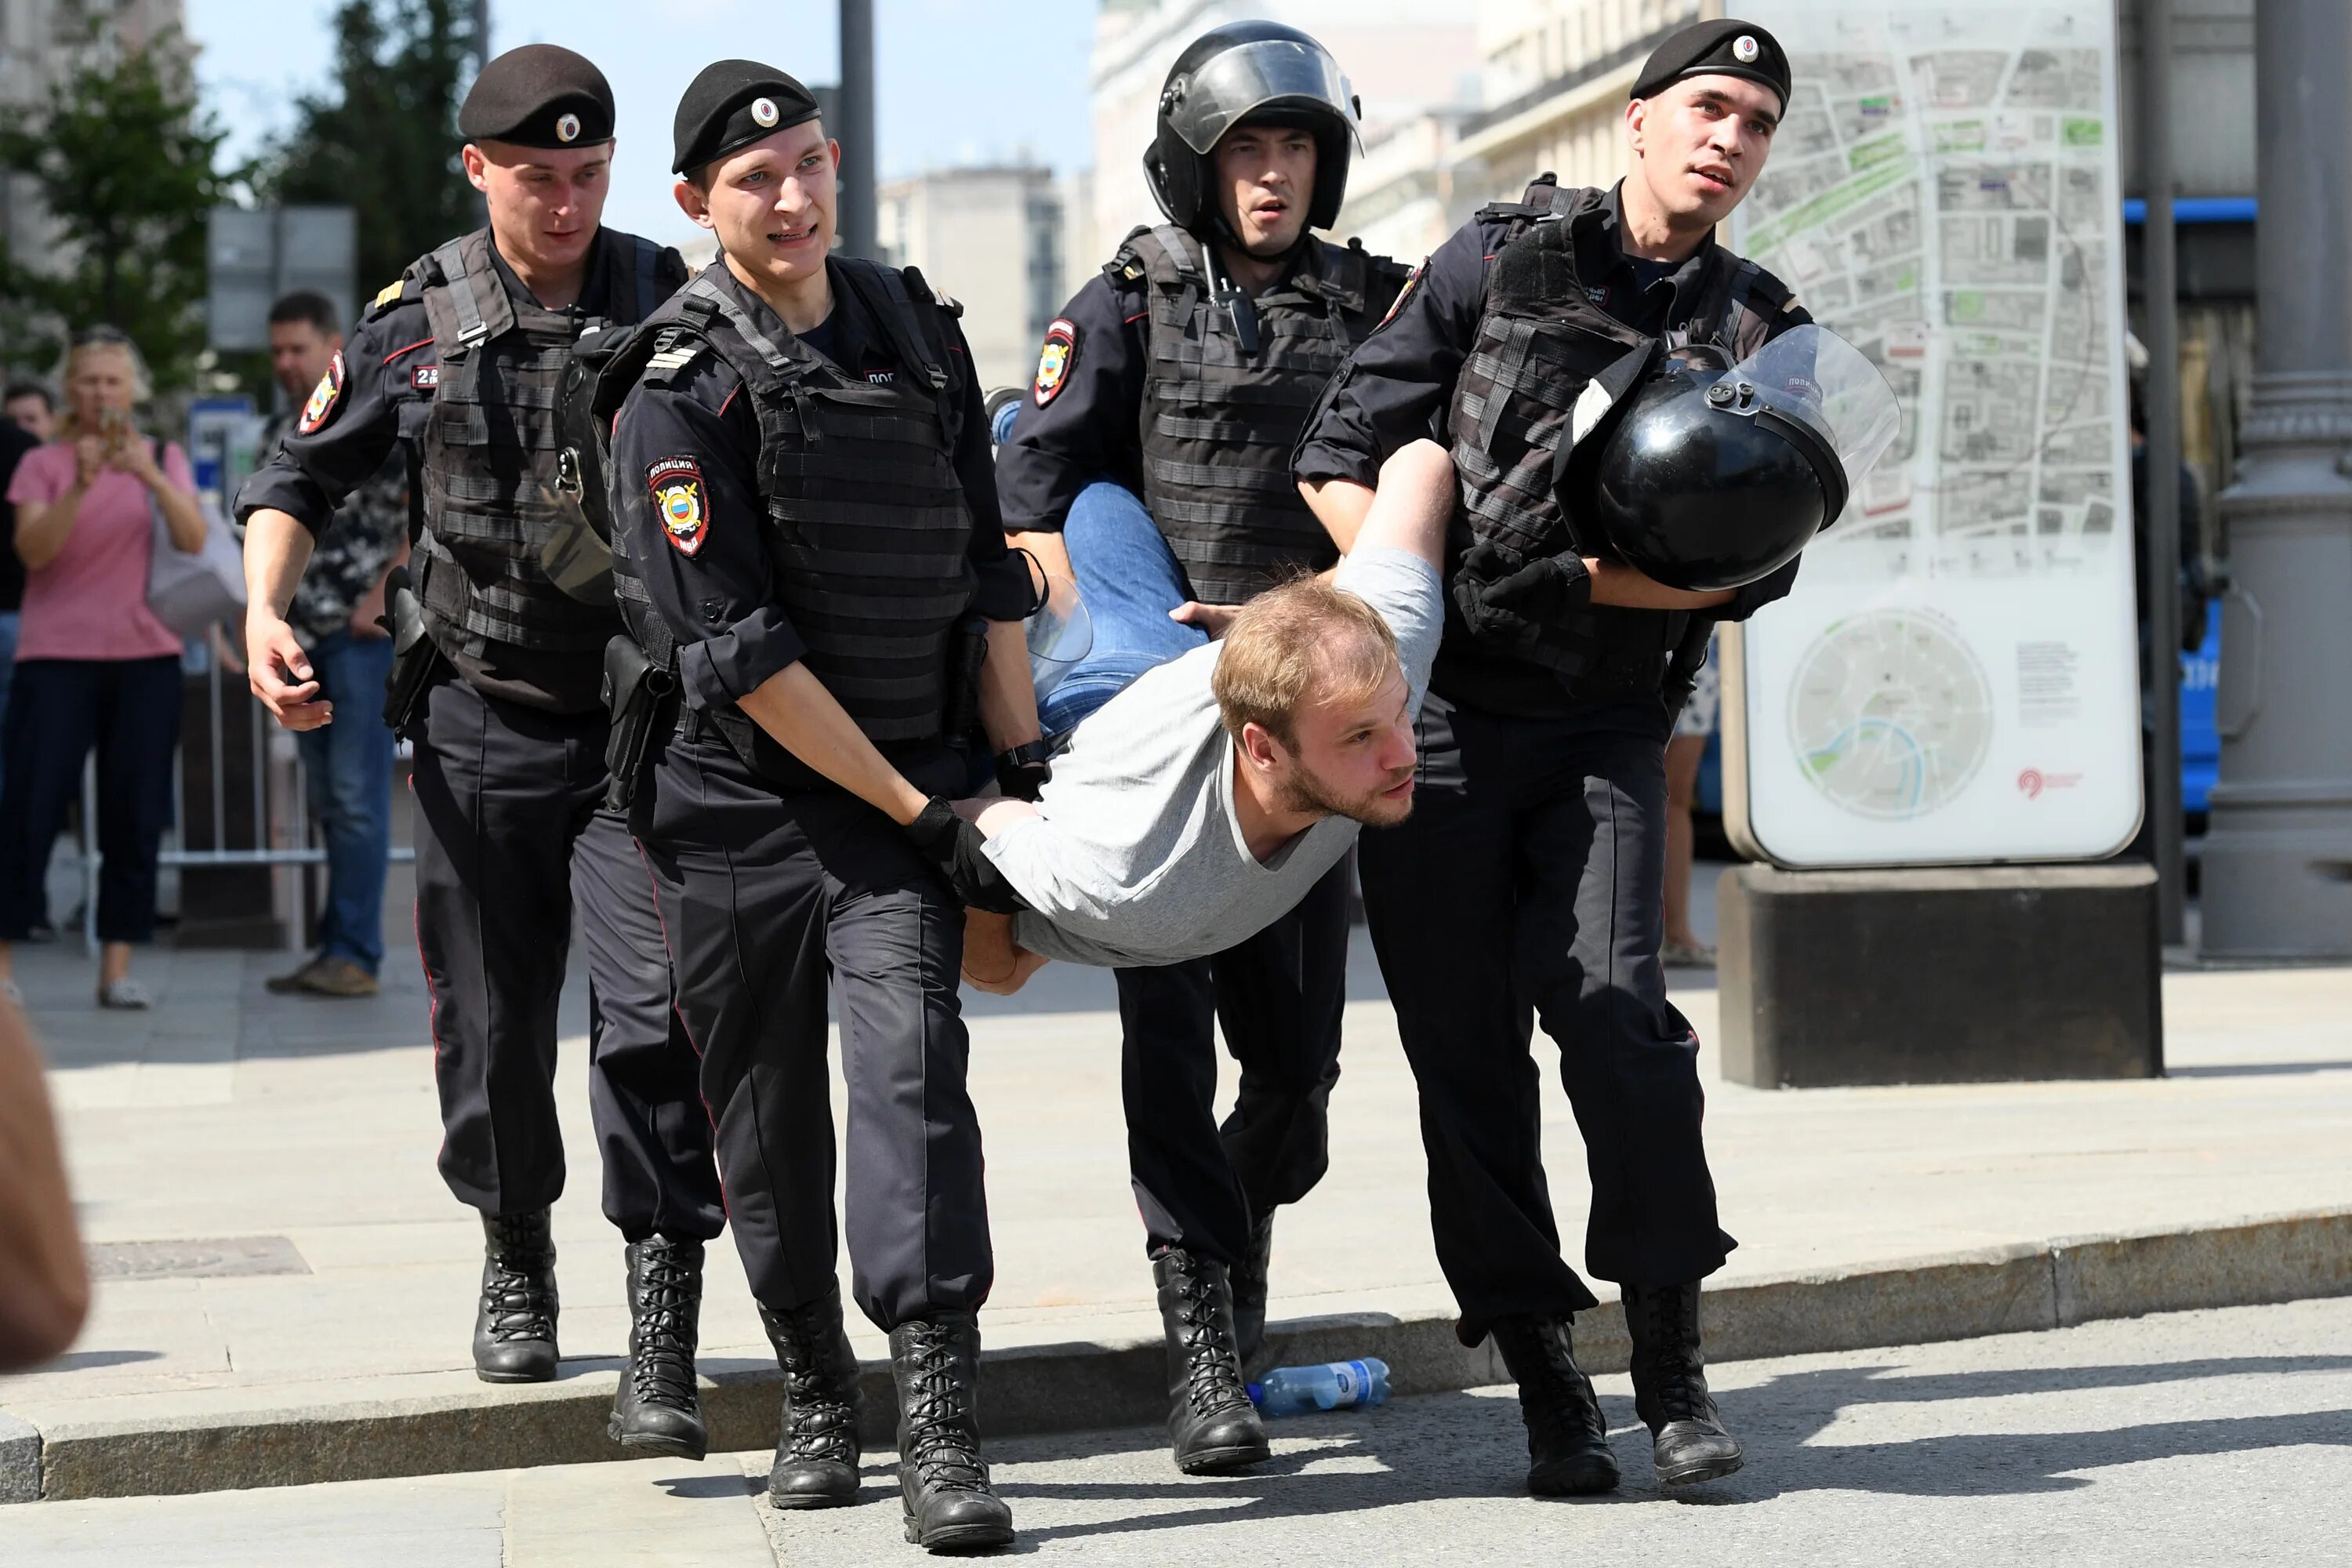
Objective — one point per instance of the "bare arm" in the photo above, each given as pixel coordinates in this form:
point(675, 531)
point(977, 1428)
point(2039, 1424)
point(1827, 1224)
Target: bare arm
point(42, 528)
point(794, 707)
point(1339, 505)
point(44, 1283)
point(277, 549)
point(1008, 700)
point(1052, 551)
point(183, 517)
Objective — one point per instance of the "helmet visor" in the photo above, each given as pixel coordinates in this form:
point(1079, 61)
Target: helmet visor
point(1812, 375)
point(1268, 74)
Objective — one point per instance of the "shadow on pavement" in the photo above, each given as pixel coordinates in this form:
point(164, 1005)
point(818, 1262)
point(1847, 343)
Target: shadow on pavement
point(1443, 1447)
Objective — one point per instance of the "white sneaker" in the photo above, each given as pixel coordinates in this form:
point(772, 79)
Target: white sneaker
point(125, 994)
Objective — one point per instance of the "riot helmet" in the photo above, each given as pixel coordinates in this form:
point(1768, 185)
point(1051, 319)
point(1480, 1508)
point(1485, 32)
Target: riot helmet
point(1261, 72)
point(1708, 476)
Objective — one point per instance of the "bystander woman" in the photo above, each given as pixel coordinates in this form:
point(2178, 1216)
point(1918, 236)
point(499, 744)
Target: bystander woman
point(95, 668)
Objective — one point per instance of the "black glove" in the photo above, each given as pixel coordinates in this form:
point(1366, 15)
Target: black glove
point(1022, 772)
point(953, 844)
point(1532, 595)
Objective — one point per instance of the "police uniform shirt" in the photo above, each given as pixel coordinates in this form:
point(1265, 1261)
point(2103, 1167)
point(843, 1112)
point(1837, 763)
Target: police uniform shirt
point(379, 391)
point(1400, 383)
point(714, 585)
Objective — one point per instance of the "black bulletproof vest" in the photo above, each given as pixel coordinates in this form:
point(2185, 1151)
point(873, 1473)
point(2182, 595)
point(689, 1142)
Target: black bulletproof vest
point(1219, 420)
point(1540, 340)
point(868, 526)
point(491, 508)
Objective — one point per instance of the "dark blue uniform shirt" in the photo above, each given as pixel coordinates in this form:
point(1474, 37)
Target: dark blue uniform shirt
point(1090, 427)
point(1399, 384)
point(720, 603)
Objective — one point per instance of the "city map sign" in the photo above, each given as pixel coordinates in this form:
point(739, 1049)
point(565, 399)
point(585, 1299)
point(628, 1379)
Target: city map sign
point(1955, 677)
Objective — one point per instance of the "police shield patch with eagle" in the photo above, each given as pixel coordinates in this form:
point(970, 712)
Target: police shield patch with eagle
point(680, 501)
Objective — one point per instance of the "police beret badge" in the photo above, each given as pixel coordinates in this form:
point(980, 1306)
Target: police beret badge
point(1055, 360)
point(1745, 49)
point(678, 502)
point(323, 397)
point(567, 129)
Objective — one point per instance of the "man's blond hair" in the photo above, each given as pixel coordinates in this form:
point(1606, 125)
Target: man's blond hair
point(1302, 638)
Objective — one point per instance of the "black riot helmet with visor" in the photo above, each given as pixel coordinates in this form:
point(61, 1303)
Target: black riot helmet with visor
point(1259, 73)
point(1709, 476)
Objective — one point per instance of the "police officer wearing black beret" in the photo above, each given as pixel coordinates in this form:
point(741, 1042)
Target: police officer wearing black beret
point(1150, 464)
point(496, 681)
point(806, 537)
point(1529, 878)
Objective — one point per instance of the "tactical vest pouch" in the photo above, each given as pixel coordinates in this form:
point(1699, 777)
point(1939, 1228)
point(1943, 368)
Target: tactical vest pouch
point(967, 654)
point(637, 694)
point(416, 663)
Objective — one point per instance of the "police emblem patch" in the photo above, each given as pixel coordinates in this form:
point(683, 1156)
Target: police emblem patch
point(324, 398)
point(1053, 362)
point(567, 129)
point(676, 487)
point(1745, 49)
point(764, 112)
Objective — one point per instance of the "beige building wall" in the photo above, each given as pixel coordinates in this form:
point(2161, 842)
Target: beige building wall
point(1404, 58)
point(993, 238)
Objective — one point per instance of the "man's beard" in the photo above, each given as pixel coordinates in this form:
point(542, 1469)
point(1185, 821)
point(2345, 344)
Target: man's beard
point(1304, 791)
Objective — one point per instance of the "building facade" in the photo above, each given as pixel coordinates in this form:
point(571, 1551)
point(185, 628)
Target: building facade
point(993, 238)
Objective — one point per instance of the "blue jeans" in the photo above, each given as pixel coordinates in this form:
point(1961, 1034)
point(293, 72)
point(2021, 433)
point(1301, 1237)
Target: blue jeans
point(348, 767)
point(1129, 581)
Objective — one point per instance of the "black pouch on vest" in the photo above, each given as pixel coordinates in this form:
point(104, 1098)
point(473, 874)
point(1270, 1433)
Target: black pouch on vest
point(967, 651)
point(636, 696)
point(416, 663)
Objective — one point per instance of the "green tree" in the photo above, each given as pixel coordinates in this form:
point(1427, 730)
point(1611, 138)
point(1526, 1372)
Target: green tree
point(122, 158)
point(384, 139)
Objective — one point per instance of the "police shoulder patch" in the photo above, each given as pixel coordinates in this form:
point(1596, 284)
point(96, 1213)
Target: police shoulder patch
point(1412, 281)
point(325, 397)
point(680, 501)
point(1056, 359)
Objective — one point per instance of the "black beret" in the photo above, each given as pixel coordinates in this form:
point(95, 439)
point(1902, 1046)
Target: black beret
point(731, 104)
point(1728, 48)
point(538, 96)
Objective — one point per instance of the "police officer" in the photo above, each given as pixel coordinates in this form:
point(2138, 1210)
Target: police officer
point(807, 541)
point(1150, 464)
point(1530, 877)
point(457, 362)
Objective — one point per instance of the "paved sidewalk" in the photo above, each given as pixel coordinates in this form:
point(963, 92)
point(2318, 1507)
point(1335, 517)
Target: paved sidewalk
point(257, 1175)
point(2190, 1438)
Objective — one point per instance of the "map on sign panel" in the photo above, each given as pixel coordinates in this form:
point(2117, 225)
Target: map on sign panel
point(1942, 205)
point(1892, 715)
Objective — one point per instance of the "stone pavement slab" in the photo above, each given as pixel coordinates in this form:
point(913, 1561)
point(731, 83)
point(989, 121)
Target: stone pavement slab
point(232, 1115)
point(2190, 1438)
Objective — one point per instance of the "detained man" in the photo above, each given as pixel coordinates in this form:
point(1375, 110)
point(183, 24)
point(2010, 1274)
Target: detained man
point(1200, 803)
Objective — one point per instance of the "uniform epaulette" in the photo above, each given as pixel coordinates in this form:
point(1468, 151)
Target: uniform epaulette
point(674, 350)
point(402, 287)
point(923, 288)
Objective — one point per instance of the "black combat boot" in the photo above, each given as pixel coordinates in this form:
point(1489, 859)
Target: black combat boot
point(657, 1409)
point(816, 1451)
point(514, 1332)
point(1688, 1441)
point(1568, 1441)
point(1212, 1424)
point(944, 1485)
point(1249, 1277)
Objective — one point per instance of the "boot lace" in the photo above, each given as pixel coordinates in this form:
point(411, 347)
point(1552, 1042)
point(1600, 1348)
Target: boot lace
point(1555, 1396)
point(519, 1294)
point(1669, 1371)
point(940, 1441)
point(1212, 1364)
point(662, 1367)
point(820, 1415)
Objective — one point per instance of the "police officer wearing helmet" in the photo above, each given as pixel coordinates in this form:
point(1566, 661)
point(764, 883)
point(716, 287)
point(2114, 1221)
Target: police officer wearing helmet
point(1150, 464)
point(1528, 879)
point(807, 543)
point(496, 681)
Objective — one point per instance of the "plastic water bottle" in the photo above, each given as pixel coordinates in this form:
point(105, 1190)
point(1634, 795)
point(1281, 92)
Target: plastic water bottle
point(1334, 1385)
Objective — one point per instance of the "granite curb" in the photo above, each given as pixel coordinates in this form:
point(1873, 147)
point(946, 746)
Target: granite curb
point(1082, 1386)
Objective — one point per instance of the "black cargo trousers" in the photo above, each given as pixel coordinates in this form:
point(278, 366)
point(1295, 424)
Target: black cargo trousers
point(1528, 884)
point(1279, 996)
point(509, 837)
point(772, 902)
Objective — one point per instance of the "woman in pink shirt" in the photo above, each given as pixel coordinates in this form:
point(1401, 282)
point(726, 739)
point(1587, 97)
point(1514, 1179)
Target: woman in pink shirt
point(94, 666)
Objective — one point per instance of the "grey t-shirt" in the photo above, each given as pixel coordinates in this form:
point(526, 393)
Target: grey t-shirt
point(1136, 857)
